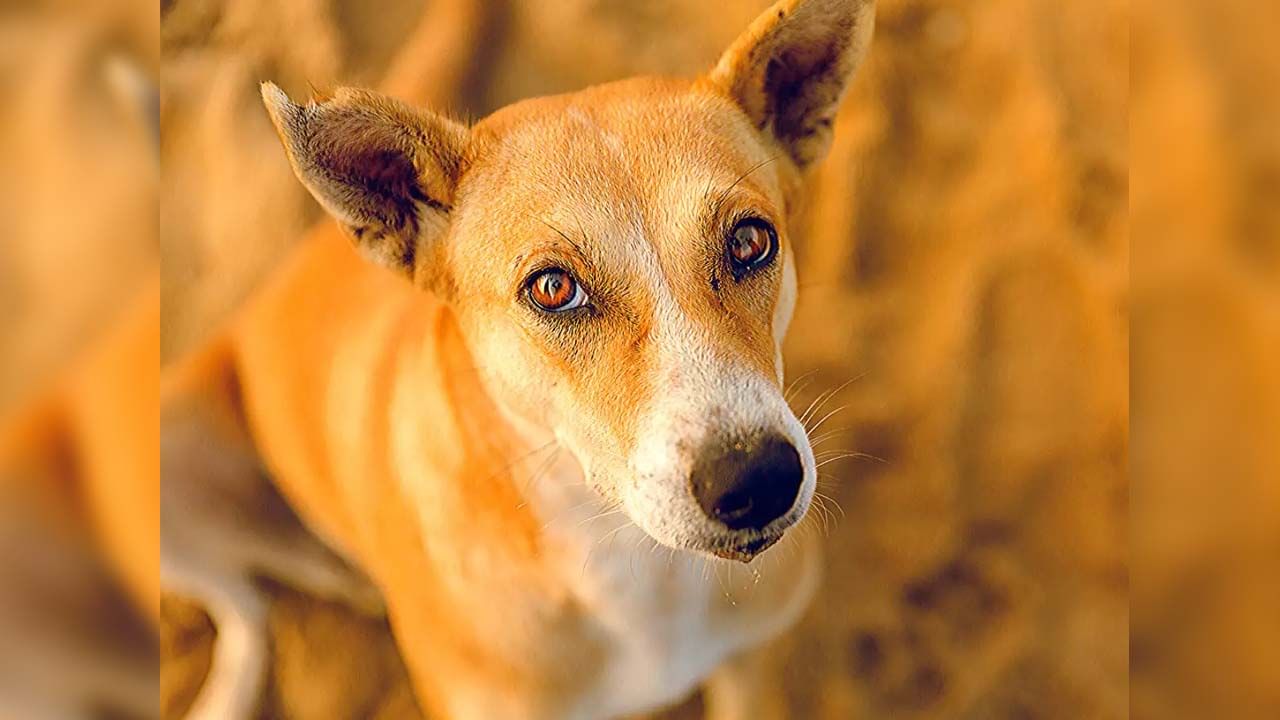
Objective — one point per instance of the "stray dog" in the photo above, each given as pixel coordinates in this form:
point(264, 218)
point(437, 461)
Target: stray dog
point(547, 419)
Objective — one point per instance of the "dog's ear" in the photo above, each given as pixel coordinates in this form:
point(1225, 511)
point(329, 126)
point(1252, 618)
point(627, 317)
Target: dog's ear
point(789, 70)
point(386, 171)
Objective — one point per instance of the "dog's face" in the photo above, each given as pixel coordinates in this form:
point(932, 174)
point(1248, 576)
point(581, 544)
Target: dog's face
point(624, 275)
point(620, 262)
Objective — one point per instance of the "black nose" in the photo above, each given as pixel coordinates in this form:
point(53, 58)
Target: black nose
point(748, 485)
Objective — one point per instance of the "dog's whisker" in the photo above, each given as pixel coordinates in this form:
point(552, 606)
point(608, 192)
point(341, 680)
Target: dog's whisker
point(831, 480)
point(797, 382)
point(831, 453)
point(599, 541)
point(572, 243)
point(857, 455)
point(805, 415)
point(525, 456)
point(819, 529)
point(724, 194)
point(542, 469)
point(825, 397)
point(610, 534)
point(508, 466)
point(833, 501)
point(826, 436)
point(611, 510)
point(817, 403)
point(817, 406)
point(828, 416)
point(795, 385)
point(829, 516)
point(820, 511)
point(605, 514)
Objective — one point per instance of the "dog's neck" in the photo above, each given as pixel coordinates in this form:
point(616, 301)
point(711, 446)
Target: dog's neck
point(689, 604)
point(512, 476)
point(551, 483)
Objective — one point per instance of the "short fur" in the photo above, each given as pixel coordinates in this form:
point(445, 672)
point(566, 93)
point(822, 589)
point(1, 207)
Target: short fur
point(515, 483)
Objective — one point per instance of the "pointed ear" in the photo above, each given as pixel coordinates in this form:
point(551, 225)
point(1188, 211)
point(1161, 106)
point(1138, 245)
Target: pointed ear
point(789, 70)
point(386, 171)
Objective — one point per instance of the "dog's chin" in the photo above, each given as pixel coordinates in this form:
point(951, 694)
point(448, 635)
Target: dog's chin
point(720, 542)
point(733, 547)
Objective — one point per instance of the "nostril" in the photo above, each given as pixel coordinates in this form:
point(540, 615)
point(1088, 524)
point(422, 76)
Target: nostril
point(733, 507)
point(749, 489)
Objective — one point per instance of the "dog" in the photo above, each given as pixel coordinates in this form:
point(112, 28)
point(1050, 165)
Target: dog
point(545, 423)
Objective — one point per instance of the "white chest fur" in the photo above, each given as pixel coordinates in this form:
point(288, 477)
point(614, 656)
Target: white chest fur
point(672, 616)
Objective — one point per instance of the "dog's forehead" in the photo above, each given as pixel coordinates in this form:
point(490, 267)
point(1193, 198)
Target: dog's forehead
point(629, 152)
point(641, 114)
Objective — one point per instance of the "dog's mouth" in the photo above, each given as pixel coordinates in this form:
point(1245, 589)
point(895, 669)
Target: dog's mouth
point(746, 551)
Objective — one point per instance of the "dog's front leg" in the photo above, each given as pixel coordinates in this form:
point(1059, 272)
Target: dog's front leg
point(748, 686)
point(233, 687)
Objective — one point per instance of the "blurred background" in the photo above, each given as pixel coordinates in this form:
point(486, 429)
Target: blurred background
point(964, 267)
point(79, 348)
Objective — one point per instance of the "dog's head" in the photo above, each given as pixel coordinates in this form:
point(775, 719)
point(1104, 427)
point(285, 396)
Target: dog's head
point(619, 260)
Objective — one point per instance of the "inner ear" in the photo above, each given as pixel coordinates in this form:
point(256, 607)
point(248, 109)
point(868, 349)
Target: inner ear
point(391, 181)
point(386, 171)
point(789, 70)
point(802, 87)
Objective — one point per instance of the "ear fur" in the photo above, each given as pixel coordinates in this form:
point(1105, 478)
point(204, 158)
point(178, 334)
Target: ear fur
point(387, 172)
point(789, 70)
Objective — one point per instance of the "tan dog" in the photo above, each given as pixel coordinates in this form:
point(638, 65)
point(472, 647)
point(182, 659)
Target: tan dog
point(551, 423)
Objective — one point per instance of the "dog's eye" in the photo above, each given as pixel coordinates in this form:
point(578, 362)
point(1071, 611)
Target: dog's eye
point(555, 290)
point(752, 244)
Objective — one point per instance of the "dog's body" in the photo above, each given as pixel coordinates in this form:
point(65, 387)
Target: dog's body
point(534, 461)
point(496, 575)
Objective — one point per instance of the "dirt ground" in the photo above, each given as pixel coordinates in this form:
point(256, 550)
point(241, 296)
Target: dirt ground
point(1204, 351)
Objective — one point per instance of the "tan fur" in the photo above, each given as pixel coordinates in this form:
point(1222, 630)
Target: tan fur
point(465, 450)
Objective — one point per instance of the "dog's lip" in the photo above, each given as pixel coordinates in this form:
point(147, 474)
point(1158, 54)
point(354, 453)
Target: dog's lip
point(746, 551)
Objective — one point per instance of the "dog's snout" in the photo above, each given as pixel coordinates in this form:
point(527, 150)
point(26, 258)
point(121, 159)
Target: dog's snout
point(748, 487)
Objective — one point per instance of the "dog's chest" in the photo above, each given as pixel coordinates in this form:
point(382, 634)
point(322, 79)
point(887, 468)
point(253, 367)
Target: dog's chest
point(669, 618)
point(658, 620)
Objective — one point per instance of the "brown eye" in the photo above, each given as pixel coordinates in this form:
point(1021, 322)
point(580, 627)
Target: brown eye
point(555, 290)
point(751, 244)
